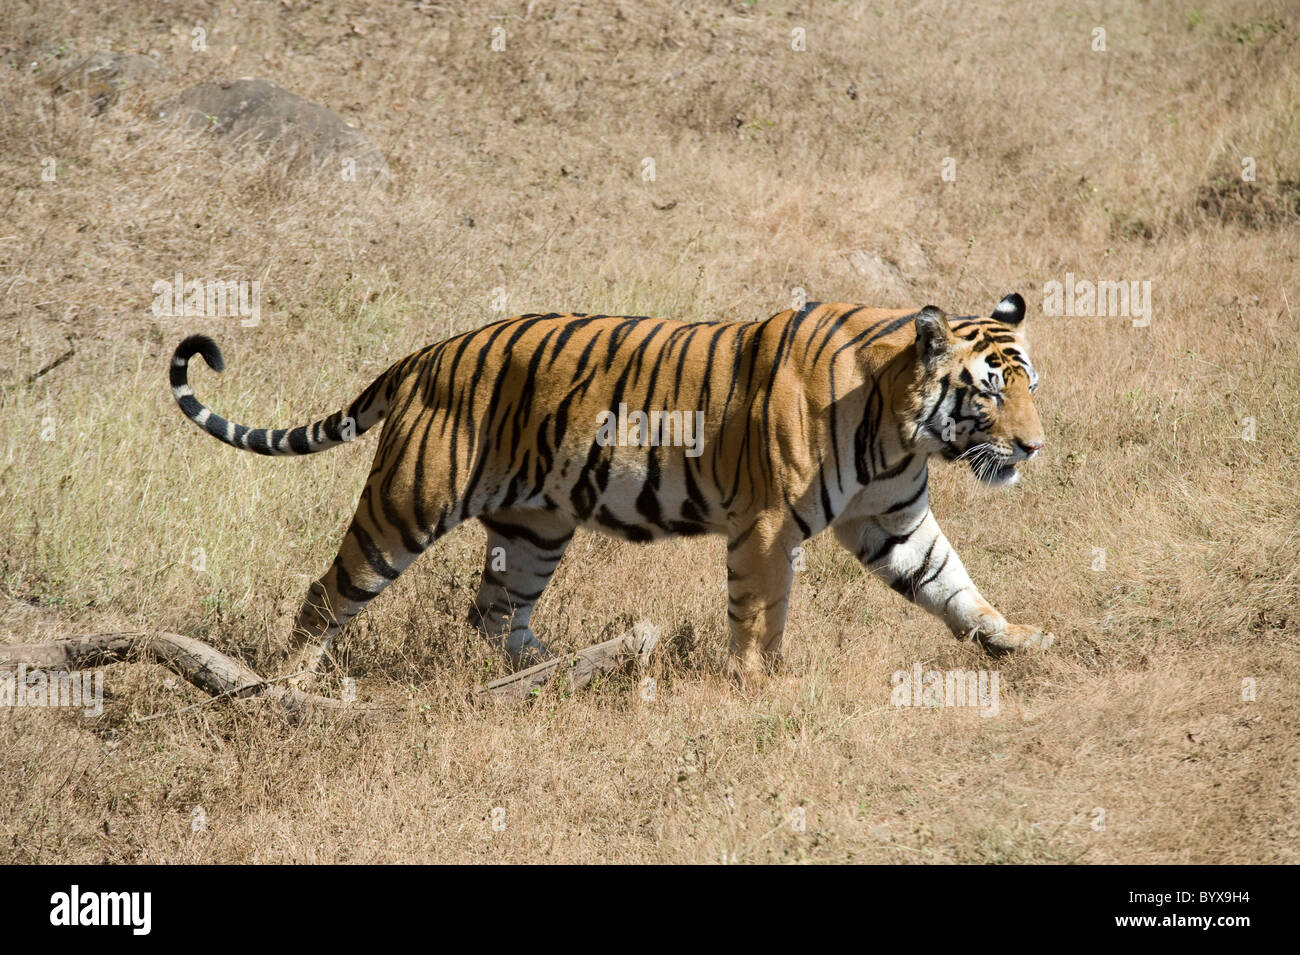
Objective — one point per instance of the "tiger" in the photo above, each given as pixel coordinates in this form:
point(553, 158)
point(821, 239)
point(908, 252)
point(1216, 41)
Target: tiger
point(768, 432)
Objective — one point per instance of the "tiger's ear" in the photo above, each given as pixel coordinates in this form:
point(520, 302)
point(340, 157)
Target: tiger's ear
point(1011, 310)
point(934, 339)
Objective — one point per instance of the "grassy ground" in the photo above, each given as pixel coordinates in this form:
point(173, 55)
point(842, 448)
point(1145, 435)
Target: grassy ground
point(1153, 537)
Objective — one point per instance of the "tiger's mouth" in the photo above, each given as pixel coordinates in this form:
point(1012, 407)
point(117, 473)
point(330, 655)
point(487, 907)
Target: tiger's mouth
point(994, 472)
point(990, 465)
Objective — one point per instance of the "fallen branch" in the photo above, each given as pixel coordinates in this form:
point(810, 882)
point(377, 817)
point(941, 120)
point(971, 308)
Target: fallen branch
point(50, 366)
point(578, 668)
point(202, 665)
point(221, 676)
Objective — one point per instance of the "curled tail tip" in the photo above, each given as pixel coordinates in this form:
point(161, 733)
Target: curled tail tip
point(199, 345)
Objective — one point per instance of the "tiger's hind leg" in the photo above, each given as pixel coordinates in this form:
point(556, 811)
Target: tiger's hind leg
point(760, 570)
point(377, 547)
point(523, 549)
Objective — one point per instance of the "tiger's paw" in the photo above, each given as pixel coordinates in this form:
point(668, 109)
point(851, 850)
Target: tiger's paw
point(525, 650)
point(751, 672)
point(1014, 636)
point(305, 666)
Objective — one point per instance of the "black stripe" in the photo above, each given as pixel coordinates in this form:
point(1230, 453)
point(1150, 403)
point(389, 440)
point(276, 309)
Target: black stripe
point(804, 529)
point(518, 531)
point(633, 532)
point(908, 585)
point(904, 505)
point(343, 584)
point(937, 571)
point(374, 556)
point(740, 538)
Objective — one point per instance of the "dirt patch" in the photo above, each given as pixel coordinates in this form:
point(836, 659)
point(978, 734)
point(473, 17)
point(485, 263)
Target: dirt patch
point(1252, 205)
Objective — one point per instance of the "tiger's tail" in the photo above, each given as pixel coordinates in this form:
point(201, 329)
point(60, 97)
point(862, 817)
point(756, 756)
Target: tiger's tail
point(342, 426)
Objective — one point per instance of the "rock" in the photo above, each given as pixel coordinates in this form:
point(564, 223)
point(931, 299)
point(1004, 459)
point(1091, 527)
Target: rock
point(261, 115)
point(909, 257)
point(102, 76)
point(890, 274)
point(878, 271)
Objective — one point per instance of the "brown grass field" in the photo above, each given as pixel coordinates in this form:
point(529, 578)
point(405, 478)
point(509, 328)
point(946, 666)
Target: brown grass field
point(1156, 536)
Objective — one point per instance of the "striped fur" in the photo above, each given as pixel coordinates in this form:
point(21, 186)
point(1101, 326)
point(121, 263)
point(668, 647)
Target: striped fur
point(824, 416)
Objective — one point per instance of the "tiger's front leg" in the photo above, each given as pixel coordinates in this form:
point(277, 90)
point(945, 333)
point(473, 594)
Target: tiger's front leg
point(907, 551)
point(760, 570)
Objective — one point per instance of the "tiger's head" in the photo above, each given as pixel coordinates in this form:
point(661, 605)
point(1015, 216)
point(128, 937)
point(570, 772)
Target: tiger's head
point(972, 391)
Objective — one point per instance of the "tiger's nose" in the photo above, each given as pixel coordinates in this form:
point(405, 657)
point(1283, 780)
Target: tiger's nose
point(1030, 447)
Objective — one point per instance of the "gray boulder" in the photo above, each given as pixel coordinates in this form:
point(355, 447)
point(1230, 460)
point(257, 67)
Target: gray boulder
point(257, 114)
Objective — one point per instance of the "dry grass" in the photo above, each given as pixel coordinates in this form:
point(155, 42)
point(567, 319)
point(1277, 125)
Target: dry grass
point(522, 170)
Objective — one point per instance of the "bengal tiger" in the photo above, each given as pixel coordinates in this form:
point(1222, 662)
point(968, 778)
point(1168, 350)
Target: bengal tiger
point(767, 432)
